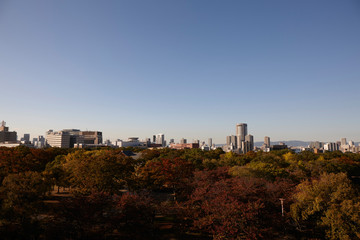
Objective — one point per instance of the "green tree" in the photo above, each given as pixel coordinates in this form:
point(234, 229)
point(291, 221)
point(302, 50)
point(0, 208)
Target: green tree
point(56, 173)
point(98, 170)
point(23, 195)
point(328, 205)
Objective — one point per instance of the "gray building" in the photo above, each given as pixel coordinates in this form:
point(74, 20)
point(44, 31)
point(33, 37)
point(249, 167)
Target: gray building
point(75, 136)
point(267, 142)
point(231, 140)
point(248, 143)
point(5, 135)
point(27, 138)
point(316, 144)
point(241, 132)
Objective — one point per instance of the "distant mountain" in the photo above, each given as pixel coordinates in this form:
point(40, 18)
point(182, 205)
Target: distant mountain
point(293, 143)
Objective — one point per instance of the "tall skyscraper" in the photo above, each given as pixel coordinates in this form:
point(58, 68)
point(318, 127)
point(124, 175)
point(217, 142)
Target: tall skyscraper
point(343, 141)
point(241, 132)
point(210, 142)
point(267, 141)
point(183, 141)
point(249, 139)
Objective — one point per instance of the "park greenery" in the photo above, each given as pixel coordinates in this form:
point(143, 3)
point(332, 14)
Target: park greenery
point(178, 194)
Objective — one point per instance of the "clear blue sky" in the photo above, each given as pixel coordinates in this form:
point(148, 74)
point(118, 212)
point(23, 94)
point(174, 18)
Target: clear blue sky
point(192, 69)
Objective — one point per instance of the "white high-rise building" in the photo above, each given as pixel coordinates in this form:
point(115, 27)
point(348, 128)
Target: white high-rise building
point(331, 146)
point(160, 139)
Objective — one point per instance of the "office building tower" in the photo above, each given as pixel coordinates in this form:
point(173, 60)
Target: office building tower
point(231, 141)
point(331, 146)
point(228, 140)
point(245, 147)
point(160, 139)
point(234, 141)
point(267, 142)
point(58, 139)
point(210, 142)
point(249, 139)
point(343, 141)
point(183, 141)
point(5, 135)
point(172, 141)
point(154, 138)
point(241, 132)
point(27, 138)
point(41, 141)
point(197, 141)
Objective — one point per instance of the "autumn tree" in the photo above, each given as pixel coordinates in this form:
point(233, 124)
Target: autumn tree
point(56, 173)
point(102, 215)
point(22, 202)
point(233, 207)
point(98, 170)
point(328, 205)
point(166, 173)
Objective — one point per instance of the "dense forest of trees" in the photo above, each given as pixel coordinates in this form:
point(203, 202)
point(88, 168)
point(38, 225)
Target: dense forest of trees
point(179, 194)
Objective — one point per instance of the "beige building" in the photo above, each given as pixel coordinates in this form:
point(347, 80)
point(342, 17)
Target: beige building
point(92, 137)
point(184, 145)
point(59, 139)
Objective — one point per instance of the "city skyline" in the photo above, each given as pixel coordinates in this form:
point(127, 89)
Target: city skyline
point(166, 138)
point(187, 69)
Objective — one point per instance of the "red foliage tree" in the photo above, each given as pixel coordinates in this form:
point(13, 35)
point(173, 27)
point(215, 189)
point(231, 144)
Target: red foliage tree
point(167, 173)
point(233, 207)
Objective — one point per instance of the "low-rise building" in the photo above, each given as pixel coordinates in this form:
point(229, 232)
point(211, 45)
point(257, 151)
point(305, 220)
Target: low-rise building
point(131, 142)
point(184, 145)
